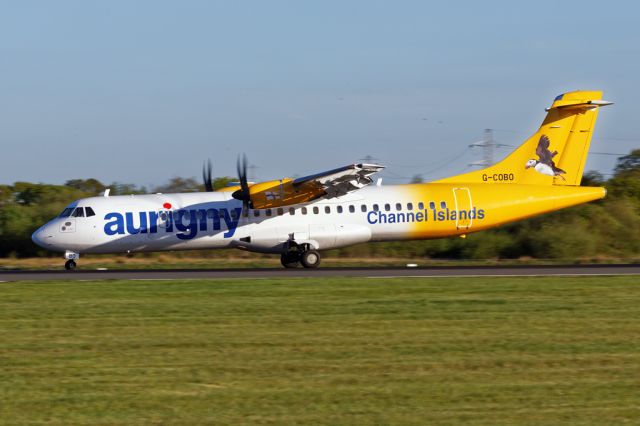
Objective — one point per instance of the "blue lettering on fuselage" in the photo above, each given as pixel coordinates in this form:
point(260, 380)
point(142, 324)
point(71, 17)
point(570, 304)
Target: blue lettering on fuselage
point(375, 217)
point(187, 223)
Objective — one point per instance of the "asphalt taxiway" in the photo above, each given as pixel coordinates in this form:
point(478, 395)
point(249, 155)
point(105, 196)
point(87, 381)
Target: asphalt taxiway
point(436, 271)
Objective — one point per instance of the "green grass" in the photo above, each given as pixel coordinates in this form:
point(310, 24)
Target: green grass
point(490, 351)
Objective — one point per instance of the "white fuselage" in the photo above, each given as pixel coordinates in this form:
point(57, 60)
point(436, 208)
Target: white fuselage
point(212, 220)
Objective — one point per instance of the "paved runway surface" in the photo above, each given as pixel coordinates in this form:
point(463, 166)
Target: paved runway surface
point(437, 271)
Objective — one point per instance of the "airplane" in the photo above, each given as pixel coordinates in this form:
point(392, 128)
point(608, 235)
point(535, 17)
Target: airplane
point(298, 218)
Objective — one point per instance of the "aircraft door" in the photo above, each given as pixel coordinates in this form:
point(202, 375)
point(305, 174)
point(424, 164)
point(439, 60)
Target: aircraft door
point(464, 208)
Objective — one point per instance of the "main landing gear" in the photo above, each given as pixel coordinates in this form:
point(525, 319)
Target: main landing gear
point(71, 257)
point(302, 254)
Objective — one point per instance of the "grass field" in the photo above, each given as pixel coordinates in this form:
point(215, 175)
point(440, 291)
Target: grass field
point(490, 351)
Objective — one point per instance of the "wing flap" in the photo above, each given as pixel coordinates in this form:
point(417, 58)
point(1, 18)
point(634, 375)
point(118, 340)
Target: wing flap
point(342, 180)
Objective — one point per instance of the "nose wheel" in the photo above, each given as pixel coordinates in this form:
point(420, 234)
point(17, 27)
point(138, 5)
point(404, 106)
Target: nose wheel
point(71, 257)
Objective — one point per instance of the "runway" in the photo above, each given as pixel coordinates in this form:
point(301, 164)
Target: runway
point(436, 271)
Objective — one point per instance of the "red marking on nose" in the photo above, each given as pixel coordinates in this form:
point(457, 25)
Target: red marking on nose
point(167, 206)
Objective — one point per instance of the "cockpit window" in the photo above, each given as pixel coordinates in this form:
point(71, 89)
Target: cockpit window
point(89, 211)
point(78, 212)
point(66, 212)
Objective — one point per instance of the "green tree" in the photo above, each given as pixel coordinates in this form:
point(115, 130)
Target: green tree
point(90, 186)
point(178, 184)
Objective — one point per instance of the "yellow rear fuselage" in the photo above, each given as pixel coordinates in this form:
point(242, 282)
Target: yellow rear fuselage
point(455, 209)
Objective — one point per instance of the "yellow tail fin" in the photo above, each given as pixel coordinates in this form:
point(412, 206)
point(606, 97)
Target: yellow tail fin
point(556, 153)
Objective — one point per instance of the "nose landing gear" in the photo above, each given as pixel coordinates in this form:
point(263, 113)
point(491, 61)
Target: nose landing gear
point(71, 257)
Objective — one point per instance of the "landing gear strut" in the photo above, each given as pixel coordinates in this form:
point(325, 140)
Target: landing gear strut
point(300, 254)
point(71, 257)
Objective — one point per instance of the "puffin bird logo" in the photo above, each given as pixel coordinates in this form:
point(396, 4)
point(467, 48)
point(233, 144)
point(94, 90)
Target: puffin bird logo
point(545, 164)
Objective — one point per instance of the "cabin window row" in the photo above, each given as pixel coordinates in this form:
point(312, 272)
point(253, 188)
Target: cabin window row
point(341, 209)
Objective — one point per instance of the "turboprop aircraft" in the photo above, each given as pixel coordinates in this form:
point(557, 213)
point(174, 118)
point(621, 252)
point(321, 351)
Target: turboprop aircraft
point(297, 218)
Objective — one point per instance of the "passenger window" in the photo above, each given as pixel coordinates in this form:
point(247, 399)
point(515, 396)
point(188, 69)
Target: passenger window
point(280, 211)
point(78, 212)
point(363, 208)
point(420, 205)
point(409, 206)
point(89, 211)
point(339, 209)
point(432, 205)
point(387, 207)
point(221, 214)
point(292, 211)
point(327, 209)
point(316, 210)
point(352, 209)
point(443, 205)
point(398, 206)
point(256, 213)
point(267, 212)
point(303, 210)
point(375, 208)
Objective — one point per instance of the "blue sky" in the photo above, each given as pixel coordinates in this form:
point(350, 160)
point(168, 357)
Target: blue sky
point(142, 91)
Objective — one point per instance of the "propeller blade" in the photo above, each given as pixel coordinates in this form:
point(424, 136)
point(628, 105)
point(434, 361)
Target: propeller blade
point(206, 176)
point(244, 193)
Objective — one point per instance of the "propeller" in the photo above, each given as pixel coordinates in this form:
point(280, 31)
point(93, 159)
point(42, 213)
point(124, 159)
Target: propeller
point(243, 193)
point(206, 176)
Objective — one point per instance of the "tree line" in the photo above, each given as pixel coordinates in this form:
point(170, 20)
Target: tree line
point(608, 228)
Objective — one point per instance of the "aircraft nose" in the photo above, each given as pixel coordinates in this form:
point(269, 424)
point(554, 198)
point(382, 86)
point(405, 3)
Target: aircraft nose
point(41, 236)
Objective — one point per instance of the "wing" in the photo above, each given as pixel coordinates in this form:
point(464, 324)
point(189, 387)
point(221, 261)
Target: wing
point(329, 184)
point(342, 180)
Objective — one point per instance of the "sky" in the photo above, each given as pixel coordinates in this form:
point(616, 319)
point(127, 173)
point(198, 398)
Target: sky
point(143, 91)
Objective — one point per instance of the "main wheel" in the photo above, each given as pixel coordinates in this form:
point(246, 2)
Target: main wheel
point(290, 259)
point(310, 259)
point(70, 265)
